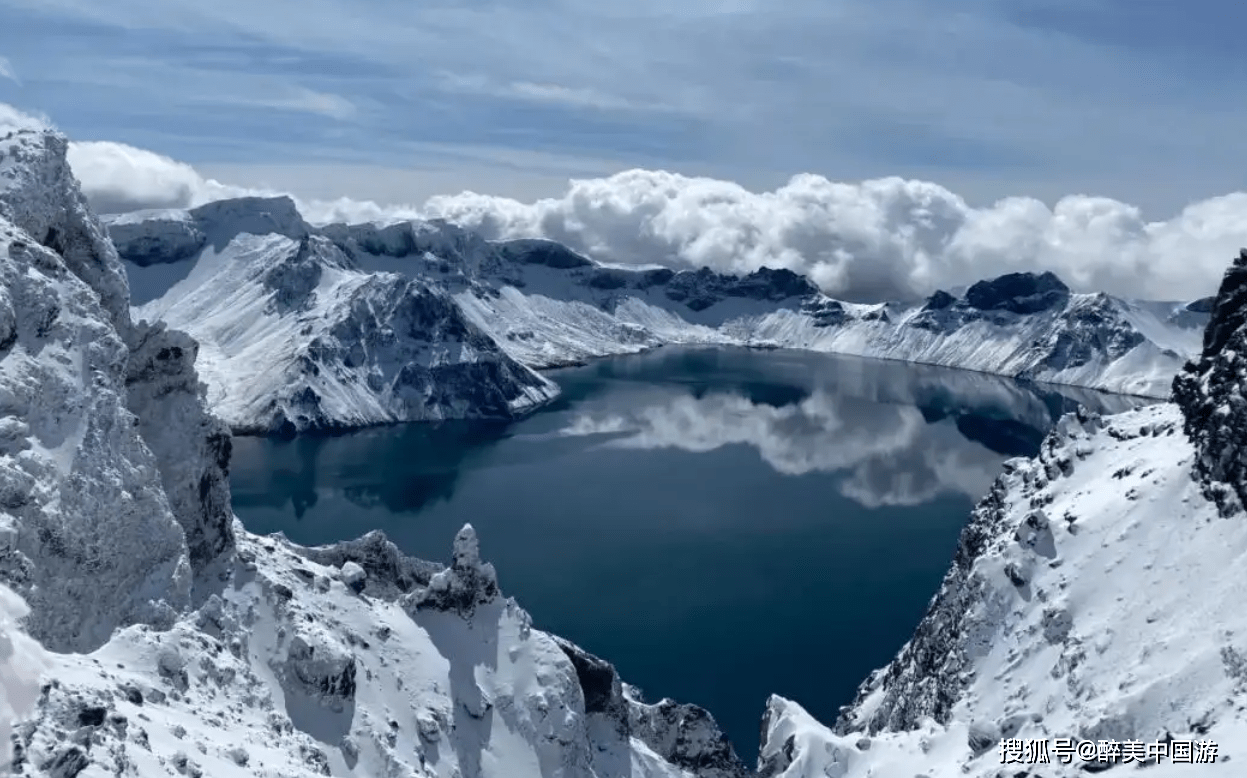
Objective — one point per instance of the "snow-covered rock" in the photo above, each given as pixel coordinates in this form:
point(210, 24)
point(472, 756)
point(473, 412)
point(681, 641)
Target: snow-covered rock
point(90, 540)
point(232, 276)
point(276, 676)
point(22, 661)
point(1092, 599)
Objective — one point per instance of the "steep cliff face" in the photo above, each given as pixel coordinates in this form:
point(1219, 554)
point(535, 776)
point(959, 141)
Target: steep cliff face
point(1210, 391)
point(191, 446)
point(90, 539)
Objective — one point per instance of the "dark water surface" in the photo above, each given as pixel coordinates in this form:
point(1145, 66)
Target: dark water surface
point(721, 524)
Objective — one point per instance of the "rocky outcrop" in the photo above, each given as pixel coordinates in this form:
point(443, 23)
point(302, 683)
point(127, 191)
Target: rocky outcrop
point(1019, 293)
point(388, 573)
point(1210, 391)
point(89, 537)
point(191, 446)
point(703, 288)
point(152, 238)
point(121, 493)
point(686, 736)
point(467, 583)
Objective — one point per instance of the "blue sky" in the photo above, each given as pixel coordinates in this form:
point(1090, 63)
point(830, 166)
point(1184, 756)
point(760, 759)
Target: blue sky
point(1142, 100)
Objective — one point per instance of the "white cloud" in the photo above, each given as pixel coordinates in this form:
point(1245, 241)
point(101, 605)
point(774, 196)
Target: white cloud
point(306, 101)
point(7, 71)
point(547, 93)
point(876, 239)
point(13, 119)
point(118, 178)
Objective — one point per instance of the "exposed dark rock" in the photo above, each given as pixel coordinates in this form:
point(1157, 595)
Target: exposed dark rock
point(163, 390)
point(537, 251)
point(1018, 293)
point(602, 688)
point(939, 301)
point(687, 737)
point(67, 764)
point(702, 288)
point(92, 715)
point(825, 312)
point(1202, 305)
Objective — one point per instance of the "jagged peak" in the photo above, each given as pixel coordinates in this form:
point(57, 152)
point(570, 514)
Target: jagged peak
point(40, 195)
point(1024, 292)
point(467, 583)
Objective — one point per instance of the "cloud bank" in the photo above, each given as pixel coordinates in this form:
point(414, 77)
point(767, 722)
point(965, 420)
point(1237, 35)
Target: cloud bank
point(876, 239)
point(880, 239)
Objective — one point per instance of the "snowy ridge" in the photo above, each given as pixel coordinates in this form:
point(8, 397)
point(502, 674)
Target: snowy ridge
point(546, 306)
point(185, 645)
point(358, 667)
point(295, 337)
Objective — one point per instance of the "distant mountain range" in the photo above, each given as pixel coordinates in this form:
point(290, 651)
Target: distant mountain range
point(345, 325)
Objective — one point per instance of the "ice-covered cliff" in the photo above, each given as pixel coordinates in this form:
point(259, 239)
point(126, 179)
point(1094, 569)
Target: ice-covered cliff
point(1093, 599)
point(186, 646)
point(543, 305)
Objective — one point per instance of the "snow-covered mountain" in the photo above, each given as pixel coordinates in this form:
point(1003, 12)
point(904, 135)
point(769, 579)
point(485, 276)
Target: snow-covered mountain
point(294, 336)
point(186, 646)
point(1095, 595)
point(286, 311)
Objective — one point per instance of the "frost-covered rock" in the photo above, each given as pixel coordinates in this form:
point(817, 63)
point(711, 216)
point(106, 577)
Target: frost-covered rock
point(1210, 390)
point(354, 577)
point(467, 583)
point(92, 543)
point(320, 667)
point(192, 447)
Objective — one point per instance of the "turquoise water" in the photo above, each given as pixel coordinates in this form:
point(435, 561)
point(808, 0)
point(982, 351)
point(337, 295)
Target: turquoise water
point(721, 524)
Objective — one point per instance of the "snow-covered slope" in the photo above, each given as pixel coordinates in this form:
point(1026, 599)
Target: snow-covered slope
point(544, 306)
point(293, 336)
point(1095, 596)
point(185, 645)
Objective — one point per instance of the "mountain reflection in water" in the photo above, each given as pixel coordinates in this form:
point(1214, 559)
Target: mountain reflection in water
point(876, 423)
